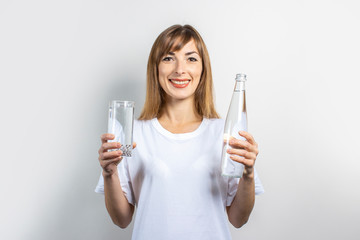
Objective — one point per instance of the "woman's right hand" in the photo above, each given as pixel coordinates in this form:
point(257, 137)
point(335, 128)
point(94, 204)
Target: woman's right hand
point(109, 160)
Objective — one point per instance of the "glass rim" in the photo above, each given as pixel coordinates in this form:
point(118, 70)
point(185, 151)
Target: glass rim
point(122, 103)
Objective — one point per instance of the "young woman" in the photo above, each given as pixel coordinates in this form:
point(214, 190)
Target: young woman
point(174, 177)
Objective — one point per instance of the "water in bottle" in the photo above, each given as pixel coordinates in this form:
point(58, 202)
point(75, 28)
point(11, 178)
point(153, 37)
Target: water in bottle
point(236, 120)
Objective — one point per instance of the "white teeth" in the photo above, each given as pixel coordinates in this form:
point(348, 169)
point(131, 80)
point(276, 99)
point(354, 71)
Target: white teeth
point(180, 82)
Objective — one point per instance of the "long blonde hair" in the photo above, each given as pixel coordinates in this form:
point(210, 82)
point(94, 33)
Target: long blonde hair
point(155, 95)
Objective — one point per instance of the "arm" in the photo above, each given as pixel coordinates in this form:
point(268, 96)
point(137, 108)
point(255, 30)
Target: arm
point(244, 152)
point(118, 207)
point(243, 203)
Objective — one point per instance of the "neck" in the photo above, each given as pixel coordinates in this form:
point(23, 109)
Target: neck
point(180, 112)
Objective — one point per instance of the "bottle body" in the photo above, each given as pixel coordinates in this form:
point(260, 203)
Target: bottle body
point(236, 120)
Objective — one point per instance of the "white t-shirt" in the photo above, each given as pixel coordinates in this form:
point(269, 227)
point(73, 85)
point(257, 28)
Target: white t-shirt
point(175, 182)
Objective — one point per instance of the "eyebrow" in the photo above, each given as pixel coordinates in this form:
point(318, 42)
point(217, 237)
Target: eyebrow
point(186, 54)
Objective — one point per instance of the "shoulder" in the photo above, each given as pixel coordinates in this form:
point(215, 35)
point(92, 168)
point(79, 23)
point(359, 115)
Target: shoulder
point(215, 124)
point(216, 120)
point(138, 122)
point(140, 125)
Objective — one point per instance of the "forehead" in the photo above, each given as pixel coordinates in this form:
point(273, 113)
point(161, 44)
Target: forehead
point(190, 46)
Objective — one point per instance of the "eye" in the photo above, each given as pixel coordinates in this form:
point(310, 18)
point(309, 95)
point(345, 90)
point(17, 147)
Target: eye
point(192, 59)
point(167, 59)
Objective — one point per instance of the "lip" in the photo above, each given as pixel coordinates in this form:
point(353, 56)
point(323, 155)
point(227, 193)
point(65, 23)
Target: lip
point(180, 83)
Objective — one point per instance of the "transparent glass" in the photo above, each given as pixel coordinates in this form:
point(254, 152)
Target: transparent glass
point(236, 120)
point(121, 122)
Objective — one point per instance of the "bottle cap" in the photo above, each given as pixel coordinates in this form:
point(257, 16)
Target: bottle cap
point(240, 77)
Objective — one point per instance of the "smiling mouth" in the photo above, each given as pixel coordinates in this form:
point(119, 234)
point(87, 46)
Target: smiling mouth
point(179, 83)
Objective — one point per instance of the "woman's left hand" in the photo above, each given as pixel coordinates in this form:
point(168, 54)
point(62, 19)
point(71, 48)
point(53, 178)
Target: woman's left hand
point(244, 151)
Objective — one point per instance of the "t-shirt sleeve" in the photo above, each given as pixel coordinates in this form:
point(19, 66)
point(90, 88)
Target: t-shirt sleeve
point(125, 181)
point(233, 185)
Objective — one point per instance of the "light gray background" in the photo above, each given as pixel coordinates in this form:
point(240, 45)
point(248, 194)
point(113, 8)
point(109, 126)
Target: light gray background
point(62, 61)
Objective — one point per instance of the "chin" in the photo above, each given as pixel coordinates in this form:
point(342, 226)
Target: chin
point(181, 98)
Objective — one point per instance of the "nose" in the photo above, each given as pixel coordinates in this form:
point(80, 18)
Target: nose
point(180, 67)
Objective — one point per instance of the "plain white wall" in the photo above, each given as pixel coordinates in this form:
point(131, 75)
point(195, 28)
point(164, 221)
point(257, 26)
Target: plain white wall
point(62, 61)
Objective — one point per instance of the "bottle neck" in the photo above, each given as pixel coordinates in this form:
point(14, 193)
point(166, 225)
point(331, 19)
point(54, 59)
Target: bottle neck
point(239, 86)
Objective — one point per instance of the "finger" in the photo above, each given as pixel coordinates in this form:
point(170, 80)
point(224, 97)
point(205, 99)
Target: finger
point(134, 144)
point(109, 155)
point(242, 144)
point(247, 136)
point(242, 152)
point(227, 137)
point(247, 162)
point(239, 152)
point(107, 136)
point(109, 161)
point(109, 145)
point(115, 161)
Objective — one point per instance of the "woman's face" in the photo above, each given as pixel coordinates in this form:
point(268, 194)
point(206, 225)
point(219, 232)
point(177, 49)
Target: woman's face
point(180, 72)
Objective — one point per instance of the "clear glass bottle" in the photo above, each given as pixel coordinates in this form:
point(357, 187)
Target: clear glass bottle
point(236, 120)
